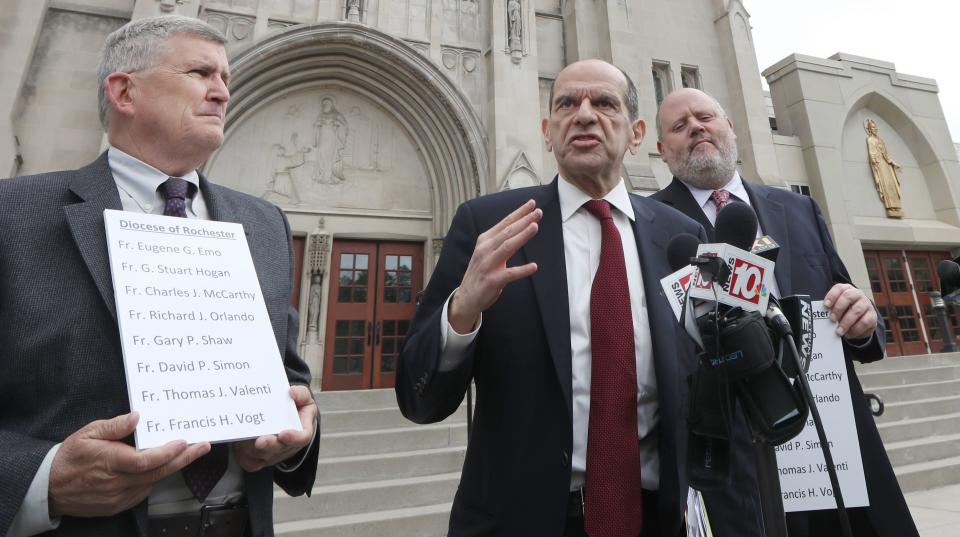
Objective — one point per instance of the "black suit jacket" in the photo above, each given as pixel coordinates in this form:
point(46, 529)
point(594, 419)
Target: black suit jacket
point(61, 365)
point(516, 477)
point(807, 264)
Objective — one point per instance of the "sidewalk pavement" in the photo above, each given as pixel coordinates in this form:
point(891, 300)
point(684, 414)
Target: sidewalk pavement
point(937, 511)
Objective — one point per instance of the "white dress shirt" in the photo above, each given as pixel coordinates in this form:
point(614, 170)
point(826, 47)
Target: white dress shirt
point(581, 248)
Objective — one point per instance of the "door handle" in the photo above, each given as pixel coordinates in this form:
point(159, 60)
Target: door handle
point(369, 333)
point(376, 332)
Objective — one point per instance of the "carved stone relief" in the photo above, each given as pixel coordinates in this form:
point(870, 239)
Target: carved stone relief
point(461, 22)
point(274, 24)
point(237, 28)
point(520, 174)
point(295, 9)
point(324, 148)
point(169, 6)
point(354, 10)
point(463, 66)
point(405, 18)
point(319, 250)
point(515, 30)
point(247, 5)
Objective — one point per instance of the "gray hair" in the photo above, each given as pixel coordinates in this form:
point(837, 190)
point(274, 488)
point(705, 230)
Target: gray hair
point(719, 109)
point(136, 46)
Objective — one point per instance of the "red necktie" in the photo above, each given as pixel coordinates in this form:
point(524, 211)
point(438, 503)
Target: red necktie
point(720, 198)
point(613, 493)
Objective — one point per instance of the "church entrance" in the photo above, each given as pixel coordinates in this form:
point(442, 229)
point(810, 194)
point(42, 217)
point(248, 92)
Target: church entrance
point(373, 294)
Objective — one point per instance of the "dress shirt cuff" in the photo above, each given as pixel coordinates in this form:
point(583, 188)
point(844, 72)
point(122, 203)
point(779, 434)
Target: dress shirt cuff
point(861, 343)
point(294, 462)
point(453, 345)
point(34, 514)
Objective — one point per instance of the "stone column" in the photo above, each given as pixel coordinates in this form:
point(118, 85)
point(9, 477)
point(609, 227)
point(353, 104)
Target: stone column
point(316, 266)
point(19, 30)
point(746, 106)
point(586, 30)
point(514, 105)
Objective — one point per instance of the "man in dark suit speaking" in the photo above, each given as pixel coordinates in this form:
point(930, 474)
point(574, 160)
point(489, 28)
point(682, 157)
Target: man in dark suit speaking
point(548, 298)
point(698, 144)
point(66, 463)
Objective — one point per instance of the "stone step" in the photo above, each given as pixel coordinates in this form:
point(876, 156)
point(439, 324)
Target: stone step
point(919, 428)
point(446, 434)
point(912, 392)
point(891, 363)
point(928, 475)
point(908, 376)
point(335, 421)
point(355, 399)
point(920, 408)
point(427, 521)
point(357, 498)
point(363, 468)
point(923, 449)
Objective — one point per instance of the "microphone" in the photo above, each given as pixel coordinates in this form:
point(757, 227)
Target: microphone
point(766, 248)
point(681, 248)
point(798, 311)
point(736, 225)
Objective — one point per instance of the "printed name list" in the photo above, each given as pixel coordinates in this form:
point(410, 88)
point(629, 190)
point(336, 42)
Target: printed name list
point(201, 358)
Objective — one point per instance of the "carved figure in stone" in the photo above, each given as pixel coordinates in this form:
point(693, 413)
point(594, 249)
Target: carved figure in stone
point(884, 171)
point(330, 130)
point(353, 10)
point(514, 29)
point(313, 307)
point(281, 187)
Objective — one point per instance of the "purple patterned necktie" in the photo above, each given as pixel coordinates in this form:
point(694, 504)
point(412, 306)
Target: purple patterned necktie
point(720, 198)
point(174, 192)
point(204, 473)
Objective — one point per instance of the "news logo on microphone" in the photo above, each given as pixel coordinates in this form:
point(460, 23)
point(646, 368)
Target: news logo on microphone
point(748, 285)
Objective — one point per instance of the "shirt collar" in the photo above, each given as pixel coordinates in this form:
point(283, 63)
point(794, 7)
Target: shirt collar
point(733, 186)
point(572, 198)
point(140, 180)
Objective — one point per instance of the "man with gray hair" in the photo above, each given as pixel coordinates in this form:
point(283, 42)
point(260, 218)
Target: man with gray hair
point(698, 144)
point(66, 462)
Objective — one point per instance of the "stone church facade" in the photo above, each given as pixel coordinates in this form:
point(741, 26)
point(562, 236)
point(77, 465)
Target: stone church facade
point(369, 121)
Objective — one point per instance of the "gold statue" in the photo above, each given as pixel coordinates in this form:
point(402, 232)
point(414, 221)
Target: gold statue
point(884, 171)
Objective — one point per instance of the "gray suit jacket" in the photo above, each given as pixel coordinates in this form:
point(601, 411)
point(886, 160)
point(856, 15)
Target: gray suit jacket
point(61, 365)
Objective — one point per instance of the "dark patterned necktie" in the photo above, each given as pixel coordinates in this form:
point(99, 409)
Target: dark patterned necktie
point(174, 192)
point(204, 473)
point(613, 492)
point(720, 198)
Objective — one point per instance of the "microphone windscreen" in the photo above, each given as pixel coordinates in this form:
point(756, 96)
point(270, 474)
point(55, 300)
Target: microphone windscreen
point(736, 225)
point(681, 248)
point(949, 272)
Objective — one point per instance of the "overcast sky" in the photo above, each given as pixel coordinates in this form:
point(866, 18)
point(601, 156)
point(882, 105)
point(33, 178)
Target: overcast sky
point(921, 37)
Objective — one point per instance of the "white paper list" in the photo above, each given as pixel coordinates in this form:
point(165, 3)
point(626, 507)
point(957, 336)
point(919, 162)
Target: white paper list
point(201, 358)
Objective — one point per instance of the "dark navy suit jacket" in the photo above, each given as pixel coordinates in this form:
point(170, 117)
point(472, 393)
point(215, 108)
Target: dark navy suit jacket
point(516, 477)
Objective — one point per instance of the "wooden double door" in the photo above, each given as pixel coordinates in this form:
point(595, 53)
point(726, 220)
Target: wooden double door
point(372, 298)
point(901, 282)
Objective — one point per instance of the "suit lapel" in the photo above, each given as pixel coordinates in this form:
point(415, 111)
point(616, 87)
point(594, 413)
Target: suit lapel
point(679, 197)
point(773, 222)
point(222, 207)
point(652, 239)
point(95, 187)
point(550, 286)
